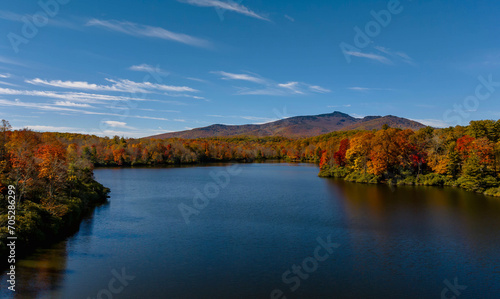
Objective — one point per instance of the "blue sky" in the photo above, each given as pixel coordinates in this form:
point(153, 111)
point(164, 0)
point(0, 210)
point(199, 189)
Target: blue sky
point(138, 69)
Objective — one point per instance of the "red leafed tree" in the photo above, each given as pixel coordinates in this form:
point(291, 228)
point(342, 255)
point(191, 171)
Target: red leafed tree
point(464, 146)
point(340, 156)
point(417, 160)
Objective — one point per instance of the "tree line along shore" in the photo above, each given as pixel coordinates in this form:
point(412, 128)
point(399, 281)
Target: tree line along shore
point(55, 188)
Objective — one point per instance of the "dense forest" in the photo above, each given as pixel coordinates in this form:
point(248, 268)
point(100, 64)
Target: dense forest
point(53, 172)
point(466, 157)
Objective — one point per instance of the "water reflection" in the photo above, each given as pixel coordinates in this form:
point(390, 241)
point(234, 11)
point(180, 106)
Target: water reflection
point(419, 209)
point(394, 242)
point(44, 270)
point(41, 274)
point(443, 232)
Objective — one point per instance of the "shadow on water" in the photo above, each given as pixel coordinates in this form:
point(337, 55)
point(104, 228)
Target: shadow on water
point(419, 236)
point(40, 274)
point(418, 208)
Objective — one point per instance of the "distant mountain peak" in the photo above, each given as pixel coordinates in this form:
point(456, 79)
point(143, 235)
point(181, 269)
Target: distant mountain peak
point(298, 126)
point(338, 113)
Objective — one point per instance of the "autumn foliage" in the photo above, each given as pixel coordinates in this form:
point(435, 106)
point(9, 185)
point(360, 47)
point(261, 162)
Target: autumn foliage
point(460, 156)
point(54, 186)
point(340, 156)
point(53, 172)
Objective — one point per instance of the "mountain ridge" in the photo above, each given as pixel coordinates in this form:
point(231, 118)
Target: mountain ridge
point(297, 126)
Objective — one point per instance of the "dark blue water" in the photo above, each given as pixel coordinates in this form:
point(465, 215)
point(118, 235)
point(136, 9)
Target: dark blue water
point(247, 236)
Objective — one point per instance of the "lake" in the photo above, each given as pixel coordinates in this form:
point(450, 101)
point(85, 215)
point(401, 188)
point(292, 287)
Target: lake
point(270, 230)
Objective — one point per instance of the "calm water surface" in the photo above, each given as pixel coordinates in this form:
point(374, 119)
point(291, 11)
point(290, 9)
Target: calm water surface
point(399, 242)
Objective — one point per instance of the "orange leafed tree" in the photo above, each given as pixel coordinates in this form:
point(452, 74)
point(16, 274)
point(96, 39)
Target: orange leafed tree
point(22, 161)
point(385, 151)
point(52, 167)
point(324, 159)
point(357, 155)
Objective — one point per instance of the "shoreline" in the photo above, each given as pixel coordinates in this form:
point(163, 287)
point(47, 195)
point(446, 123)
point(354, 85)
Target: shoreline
point(47, 230)
point(429, 179)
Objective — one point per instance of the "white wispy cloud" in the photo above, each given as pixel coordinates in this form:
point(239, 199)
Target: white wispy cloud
point(396, 55)
point(319, 89)
point(72, 96)
point(11, 61)
point(183, 95)
point(229, 6)
point(285, 89)
point(71, 104)
point(292, 86)
point(6, 75)
point(38, 106)
point(437, 123)
point(244, 77)
point(271, 88)
point(128, 86)
point(355, 115)
point(196, 79)
point(122, 85)
point(117, 124)
point(357, 88)
point(290, 18)
point(71, 84)
point(371, 56)
point(148, 69)
point(156, 110)
point(8, 84)
point(270, 91)
point(49, 107)
point(384, 55)
point(139, 30)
